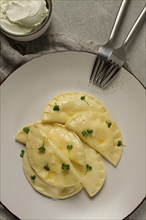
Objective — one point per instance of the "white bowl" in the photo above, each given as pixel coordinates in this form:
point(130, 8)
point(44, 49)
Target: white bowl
point(35, 33)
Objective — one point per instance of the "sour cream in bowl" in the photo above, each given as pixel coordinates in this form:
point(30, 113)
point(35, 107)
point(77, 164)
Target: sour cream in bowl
point(25, 20)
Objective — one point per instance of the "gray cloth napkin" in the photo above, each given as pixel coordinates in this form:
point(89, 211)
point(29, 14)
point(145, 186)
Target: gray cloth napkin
point(14, 54)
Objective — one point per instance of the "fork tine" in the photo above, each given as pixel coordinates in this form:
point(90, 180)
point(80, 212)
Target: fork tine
point(110, 75)
point(98, 70)
point(102, 74)
point(94, 70)
point(109, 70)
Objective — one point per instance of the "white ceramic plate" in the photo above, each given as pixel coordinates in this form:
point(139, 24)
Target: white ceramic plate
point(23, 97)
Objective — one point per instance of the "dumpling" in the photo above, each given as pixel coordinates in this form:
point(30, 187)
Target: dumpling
point(48, 161)
point(65, 105)
point(68, 142)
point(44, 188)
point(93, 173)
point(21, 136)
point(100, 132)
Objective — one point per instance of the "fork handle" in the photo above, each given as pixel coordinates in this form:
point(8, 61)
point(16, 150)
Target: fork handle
point(135, 27)
point(118, 20)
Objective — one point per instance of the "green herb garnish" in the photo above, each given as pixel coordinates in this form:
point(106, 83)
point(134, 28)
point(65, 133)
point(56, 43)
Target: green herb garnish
point(88, 168)
point(83, 98)
point(69, 147)
point(26, 130)
point(120, 144)
point(33, 177)
point(65, 166)
point(109, 124)
point(42, 149)
point(84, 133)
point(56, 107)
point(90, 131)
point(87, 132)
point(46, 167)
point(22, 153)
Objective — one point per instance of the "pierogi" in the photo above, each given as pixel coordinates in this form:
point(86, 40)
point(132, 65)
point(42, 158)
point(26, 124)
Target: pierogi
point(92, 174)
point(65, 139)
point(46, 189)
point(42, 152)
point(65, 150)
point(65, 105)
point(99, 132)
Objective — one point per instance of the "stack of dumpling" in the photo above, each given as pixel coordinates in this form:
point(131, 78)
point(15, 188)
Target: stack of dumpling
point(65, 150)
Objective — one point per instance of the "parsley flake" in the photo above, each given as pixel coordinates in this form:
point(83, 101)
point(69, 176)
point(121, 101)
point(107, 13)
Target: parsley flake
point(42, 149)
point(65, 166)
point(87, 132)
point(46, 167)
point(33, 177)
point(69, 147)
point(22, 153)
point(84, 133)
point(83, 98)
point(120, 144)
point(88, 168)
point(26, 130)
point(109, 124)
point(56, 107)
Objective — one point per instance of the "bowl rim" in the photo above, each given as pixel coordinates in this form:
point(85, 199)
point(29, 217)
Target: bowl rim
point(49, 2)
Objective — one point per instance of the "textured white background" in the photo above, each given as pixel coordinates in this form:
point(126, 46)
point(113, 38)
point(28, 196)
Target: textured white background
point(80, 25)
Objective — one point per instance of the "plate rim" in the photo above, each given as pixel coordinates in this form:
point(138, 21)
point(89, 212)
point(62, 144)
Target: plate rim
point(64, 51)
point(58, 52)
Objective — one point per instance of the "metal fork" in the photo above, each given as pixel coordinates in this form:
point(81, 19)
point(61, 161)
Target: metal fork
point(109, 60)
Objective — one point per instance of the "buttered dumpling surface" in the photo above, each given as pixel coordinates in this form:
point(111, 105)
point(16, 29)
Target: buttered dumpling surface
point(68, 142)
point(65, 151)
point(92, 174)
point(64, 139)
point(43, 154)
point(65, 105)
point(47, 189)
point(99, 132)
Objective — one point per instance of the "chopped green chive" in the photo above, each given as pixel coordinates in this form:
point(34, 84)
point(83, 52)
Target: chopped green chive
point(120, 144)
point(33, 177)
point(65, 166)
point(26, 130)
point(22, 153)
point(109, 124)
point(56, 107)
point(42, 149)
point(83, 98)
point(84, 133)
point(69, 147)
point(88, 168)
point(87, 132)
point(46, 167)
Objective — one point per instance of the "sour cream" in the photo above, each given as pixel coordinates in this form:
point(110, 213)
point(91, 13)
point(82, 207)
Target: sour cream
point(22, 16)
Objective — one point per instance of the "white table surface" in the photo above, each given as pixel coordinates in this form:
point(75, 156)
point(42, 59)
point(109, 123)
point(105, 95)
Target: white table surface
point(81, 25)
